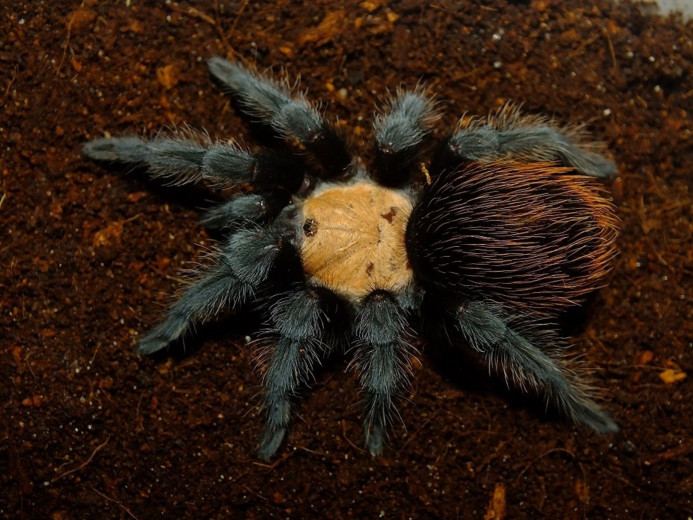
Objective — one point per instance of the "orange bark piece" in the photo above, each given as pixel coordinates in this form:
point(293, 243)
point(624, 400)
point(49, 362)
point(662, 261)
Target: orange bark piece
point(671, 376)
point(496, 508)
point(325, 31)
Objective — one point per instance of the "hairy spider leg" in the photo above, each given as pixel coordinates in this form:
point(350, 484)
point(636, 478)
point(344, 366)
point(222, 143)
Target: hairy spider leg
point(190, 158)
point(507, 135)
point(300, 322)
point(400, 132)
point(193, 158)
point(486, 331)
point(244, 264)
point(242, 210)
point(383, 360)
point(291, 116)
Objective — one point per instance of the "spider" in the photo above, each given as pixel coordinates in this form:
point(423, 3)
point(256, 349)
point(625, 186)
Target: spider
point(490, 241)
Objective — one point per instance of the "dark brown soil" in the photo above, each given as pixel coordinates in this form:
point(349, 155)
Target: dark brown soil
point(88, 429)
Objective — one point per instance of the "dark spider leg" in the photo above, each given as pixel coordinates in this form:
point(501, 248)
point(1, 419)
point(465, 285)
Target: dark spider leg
point(487, 332)
point(244, 264)
point(254, 208)
point(292, 117)
point(400, 132)
point(531, 143)
point(383, 359)
point(299, 321)
point(185, 160)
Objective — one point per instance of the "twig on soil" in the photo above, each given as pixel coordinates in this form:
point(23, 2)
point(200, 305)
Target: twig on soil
point(313, 452)
point(622, 479)
point(614, 63)
point(9, 86)
point(444, 9)
point(251, 491)
point(554, 450)
point(238, 16)
point(196, 13)
point(276, 462)
point(67, 40)
point(674, 453)
point(349, 441)
point(418, 430)
point(581, 48)
point(85, 463)
point(117, 502)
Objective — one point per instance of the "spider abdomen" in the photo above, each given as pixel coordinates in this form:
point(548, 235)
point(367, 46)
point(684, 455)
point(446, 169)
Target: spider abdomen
point(353, 239)
point(529, 236)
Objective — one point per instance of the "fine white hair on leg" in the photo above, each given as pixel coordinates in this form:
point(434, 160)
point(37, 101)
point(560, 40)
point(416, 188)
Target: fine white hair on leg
point(524, 364)
point(383, 361)
point(290, 115)
point(509, 135)
point(400, 131)
point(193, 158)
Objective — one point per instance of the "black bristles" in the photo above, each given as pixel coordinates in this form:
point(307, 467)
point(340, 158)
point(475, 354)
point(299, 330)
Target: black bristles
point(526, 236)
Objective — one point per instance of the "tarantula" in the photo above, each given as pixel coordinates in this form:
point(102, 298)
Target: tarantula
point(491, 240)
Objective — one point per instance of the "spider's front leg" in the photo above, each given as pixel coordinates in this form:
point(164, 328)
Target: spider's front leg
point(291, 116)
point(244, 264)
point(486, 331)
point(192, 157)
point(299, 322)
point(383, 360)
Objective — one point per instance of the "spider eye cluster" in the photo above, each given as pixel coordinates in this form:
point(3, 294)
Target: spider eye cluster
point(310, 227)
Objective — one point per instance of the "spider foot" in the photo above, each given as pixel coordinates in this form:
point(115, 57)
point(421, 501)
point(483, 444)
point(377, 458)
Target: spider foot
point(591, 415)
point(150, 345)
point(119, 149)
point(375, 440)
point(270, 442)
point(162, 335)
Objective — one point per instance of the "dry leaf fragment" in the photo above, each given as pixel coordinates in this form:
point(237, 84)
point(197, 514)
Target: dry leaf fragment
point(330, 26)
point(582, 490)
point(496, 508)
point(108, 235)
point(645, 357)
point(671, 376)
point(168, 76)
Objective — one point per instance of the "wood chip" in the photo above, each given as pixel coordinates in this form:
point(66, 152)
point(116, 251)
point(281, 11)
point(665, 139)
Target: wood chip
point(671, 376)
point(330, 26)
point(168, 76)
point(496, 508)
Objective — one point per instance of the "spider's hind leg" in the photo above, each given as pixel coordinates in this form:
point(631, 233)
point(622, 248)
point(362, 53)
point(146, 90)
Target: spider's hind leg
point(383, 360)
point(484, 328)
point(507, 135)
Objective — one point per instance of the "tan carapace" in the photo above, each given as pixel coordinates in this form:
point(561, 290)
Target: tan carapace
point(353, 239)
